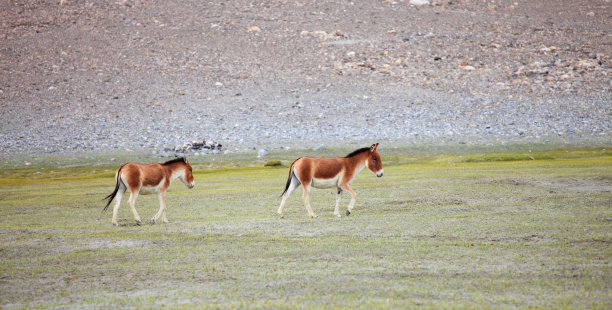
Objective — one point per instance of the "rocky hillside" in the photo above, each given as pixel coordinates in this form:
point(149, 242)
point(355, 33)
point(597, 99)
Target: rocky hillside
point(115, 75)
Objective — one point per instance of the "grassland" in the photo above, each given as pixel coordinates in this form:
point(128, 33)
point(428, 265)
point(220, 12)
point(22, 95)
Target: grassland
point(503, 230)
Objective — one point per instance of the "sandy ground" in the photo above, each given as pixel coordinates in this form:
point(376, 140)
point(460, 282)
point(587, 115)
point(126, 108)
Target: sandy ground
point(111, 76)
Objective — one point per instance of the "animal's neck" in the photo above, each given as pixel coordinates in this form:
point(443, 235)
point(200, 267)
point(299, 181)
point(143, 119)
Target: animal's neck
point(175, 172)
point(359, 162)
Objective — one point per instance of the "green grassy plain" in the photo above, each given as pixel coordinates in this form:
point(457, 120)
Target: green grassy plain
point(473, 230)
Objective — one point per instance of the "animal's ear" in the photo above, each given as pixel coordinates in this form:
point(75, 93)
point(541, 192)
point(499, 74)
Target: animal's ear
point(374, 147)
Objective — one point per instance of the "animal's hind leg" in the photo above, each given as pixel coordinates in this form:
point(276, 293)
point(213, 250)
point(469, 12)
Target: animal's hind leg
point(292, 186)
point(132, 202)
point(307, 201)
point(117, 203)
point(338, 198)
point(162, 208)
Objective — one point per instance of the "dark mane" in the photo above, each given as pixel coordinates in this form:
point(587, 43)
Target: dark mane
point(176, 160)
point(356, 152)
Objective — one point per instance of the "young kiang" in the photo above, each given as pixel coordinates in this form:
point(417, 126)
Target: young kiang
point(148, 179)
point(336, 172)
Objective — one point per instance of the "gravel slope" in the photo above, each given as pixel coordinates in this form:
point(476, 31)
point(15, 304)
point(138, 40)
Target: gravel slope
point(107, 76)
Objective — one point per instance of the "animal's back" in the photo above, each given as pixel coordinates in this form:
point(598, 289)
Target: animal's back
point(319, 168)
point(328, 167)
point(149, 175)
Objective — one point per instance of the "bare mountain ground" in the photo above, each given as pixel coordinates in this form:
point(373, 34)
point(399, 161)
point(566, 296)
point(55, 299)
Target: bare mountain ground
point(113, 75)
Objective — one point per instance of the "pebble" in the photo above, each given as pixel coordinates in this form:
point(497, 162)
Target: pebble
point(419, 2)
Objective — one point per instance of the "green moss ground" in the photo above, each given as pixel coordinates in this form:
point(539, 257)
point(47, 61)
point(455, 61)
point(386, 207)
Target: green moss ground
point(497, 230)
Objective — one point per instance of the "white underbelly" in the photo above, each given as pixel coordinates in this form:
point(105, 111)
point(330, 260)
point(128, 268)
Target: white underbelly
point(145, 190)
point(325, 183)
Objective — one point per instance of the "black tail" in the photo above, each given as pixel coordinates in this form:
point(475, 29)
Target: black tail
point(291, 175)
point(288, 180)
point(114, 193)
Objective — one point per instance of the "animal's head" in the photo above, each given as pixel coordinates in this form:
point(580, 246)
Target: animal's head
point(187, 176)
point(374, 163)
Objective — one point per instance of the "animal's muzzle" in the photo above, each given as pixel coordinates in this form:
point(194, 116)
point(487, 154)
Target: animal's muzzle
point(380, 173)
point(191, 185)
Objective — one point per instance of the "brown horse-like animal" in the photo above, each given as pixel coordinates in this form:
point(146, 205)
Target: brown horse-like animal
point(148, 179)
point(336, 172)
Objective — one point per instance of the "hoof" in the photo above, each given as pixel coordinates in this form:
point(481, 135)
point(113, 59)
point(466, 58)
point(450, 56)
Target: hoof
point(152, 221)
point(348, 212)
point(138, 223)
point(337, 214)
point(313, 215)
point(115, 224)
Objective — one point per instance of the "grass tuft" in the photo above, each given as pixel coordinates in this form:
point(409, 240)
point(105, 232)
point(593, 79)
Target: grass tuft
point(273, 163)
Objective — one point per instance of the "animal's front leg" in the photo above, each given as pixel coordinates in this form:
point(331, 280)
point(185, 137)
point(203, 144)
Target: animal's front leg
point(164, 218)
point(338, 198)
point(162, 207)
point(352, 203)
